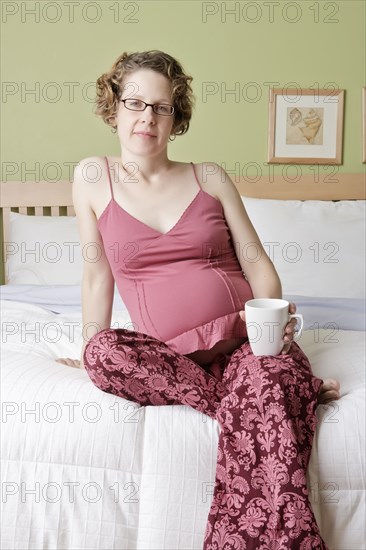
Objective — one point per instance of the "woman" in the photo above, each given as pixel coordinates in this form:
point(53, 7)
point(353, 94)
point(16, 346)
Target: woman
point(173, 237)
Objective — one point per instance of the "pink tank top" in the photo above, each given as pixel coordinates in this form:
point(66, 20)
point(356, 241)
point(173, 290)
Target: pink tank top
point(184, 287)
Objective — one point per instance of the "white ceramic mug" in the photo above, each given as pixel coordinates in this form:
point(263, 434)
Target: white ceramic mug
point(266, 319)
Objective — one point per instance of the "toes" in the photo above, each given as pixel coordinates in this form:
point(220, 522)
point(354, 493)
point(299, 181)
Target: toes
point(329, 395)
point(329, 391)
point(331, 383)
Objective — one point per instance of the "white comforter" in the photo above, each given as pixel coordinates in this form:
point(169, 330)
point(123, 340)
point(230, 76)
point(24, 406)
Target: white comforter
point(82, 469)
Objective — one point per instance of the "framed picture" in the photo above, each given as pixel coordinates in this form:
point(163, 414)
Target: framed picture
point(305, 126)
point(363, 124)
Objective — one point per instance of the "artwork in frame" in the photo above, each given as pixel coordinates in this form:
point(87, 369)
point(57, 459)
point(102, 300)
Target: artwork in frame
point(305, 126)
point(363, 124)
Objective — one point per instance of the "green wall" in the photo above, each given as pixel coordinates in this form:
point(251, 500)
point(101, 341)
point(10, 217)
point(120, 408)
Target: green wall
point(45, 46)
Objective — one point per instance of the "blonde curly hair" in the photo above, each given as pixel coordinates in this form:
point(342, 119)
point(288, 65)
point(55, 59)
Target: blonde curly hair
point(109, 86)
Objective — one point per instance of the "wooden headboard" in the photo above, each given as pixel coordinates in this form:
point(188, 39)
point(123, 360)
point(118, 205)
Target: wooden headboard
point(41, 198)
point(333, 187)
point(46, 198)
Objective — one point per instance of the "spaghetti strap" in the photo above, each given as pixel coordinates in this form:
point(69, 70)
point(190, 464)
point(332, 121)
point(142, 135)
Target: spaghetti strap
point(109, 175)
point(195, 175)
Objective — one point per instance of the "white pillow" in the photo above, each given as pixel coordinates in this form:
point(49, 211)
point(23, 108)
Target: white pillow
point(43, 250)
point(318, 247)
point(55, 298)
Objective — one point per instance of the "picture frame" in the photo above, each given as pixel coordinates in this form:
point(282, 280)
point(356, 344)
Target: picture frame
point(363, 124)
point(305, 126)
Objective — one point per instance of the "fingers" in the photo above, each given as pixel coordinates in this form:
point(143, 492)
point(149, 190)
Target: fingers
point(242, 315)
point(286, 348)
point(290, 327)
point(69, 362)
point(289, 332)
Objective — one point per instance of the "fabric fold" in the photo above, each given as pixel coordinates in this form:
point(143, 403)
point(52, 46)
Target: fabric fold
point(205, 336)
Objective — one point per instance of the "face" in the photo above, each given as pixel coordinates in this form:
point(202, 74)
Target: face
point(145, 132)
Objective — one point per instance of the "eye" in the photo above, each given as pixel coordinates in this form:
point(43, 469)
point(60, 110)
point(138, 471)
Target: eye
point(164, 109)
point(135, 103)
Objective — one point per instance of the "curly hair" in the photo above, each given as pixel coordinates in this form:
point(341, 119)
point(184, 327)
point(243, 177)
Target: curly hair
point(109, 86)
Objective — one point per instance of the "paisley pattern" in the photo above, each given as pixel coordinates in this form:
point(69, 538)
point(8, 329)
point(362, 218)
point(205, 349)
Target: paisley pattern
point(266, 410)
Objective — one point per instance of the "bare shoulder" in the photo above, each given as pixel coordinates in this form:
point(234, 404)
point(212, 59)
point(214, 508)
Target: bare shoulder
point(89, 170)
point(216, 181)
point(90, 175)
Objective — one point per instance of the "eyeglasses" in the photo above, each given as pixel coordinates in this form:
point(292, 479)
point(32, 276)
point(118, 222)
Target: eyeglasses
point(139, 105)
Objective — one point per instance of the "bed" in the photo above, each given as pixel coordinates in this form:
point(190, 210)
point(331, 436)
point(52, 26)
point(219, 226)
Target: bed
point(82, 469)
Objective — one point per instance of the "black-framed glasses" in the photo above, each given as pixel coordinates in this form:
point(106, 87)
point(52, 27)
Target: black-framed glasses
point(139, 105)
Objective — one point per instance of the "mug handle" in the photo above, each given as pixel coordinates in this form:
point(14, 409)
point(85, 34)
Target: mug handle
point(300, 318)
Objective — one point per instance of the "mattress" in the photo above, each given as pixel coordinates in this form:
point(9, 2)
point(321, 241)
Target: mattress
point(83, 469)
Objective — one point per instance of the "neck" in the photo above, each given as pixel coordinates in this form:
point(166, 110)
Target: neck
point(146, 168)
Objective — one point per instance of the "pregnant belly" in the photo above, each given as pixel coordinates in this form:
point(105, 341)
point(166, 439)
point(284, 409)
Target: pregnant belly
point(188, 299)
point(205, 357)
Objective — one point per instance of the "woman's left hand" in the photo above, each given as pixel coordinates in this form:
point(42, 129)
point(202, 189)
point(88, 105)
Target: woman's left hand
point(69, 362)
point(289, 331)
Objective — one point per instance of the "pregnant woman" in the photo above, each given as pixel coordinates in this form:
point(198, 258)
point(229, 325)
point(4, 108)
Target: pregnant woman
point(172, 236)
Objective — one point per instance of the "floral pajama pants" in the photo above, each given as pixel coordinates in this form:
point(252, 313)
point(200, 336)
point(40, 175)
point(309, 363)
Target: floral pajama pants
point(265, 407)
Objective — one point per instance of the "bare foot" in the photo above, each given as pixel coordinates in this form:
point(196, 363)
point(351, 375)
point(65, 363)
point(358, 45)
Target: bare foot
point(329, 391)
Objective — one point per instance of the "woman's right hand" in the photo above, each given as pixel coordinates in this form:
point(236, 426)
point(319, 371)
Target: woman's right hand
point(70, 362)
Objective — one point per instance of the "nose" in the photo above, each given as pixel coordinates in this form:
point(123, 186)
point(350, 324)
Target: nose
point(148, 114)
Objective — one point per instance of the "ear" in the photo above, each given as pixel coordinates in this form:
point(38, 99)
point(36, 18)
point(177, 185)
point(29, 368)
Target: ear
point(113, 121)
point(176, 126)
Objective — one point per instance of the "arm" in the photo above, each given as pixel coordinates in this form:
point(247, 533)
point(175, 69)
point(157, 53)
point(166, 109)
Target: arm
point(254, 261)
point(262, 275)
point(97, 280)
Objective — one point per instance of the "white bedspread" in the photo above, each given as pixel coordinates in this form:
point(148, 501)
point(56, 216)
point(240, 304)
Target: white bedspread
point(82, 469)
